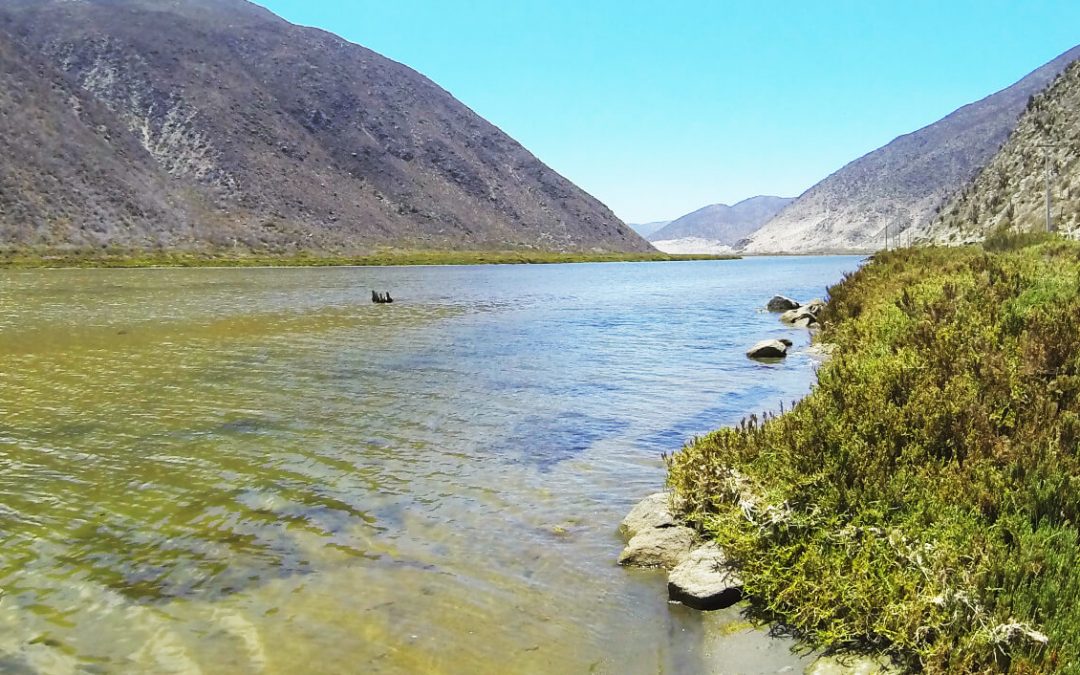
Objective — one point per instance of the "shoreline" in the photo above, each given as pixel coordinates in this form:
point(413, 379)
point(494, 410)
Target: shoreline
point(918, 503)
point(703, 578)
point(134, 260)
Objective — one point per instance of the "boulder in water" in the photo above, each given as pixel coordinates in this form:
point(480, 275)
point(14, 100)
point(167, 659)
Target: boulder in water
point(779, 303)
point(769, 349)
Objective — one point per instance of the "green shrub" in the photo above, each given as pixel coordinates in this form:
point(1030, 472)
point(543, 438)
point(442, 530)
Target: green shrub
point(924, 498)
point(1005, 238)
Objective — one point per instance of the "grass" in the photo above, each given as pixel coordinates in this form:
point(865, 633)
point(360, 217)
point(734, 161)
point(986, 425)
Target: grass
point(924, 499)
point(22, 259)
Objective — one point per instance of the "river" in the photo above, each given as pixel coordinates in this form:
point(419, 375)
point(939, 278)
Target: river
point(259, 470)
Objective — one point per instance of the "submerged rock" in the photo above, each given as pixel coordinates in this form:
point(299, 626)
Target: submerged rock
point(779, 303)
point(651, 512)
point(769, 349)
point(704, 580)
point(658, 547)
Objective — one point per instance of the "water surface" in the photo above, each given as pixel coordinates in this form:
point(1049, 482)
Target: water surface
point(260, 471)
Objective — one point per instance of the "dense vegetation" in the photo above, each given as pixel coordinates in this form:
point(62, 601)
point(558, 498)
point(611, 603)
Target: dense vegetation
point(924, 499)
point(21, 258)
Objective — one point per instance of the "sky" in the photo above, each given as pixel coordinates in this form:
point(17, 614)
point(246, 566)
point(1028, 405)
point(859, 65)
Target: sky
point(660, 108)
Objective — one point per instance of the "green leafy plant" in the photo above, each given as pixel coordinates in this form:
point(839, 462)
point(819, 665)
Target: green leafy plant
point(923, 499)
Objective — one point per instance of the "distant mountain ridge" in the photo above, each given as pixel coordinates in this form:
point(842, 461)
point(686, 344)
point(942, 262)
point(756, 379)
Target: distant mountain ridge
point(901, 185)
point(214, 123)
point(725, 225)
point(645, 229)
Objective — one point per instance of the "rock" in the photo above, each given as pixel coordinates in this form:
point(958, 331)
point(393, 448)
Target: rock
point(852, 664)
point(780, 303)
point(790, 315)
point(814, 307)
point(769, 349)
point(704, 580)
point(658, 547)
point(804, 316)
point(652, 512)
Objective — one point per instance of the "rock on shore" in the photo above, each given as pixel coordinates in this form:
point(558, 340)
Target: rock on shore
point(657, 538)
point(705, 580)
point(700, 576)
point(651, 512)
point(664, 547)
point(805, 315)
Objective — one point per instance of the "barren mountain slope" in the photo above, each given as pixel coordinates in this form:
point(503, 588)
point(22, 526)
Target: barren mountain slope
point(1011, 190)
point(900, 185)
point(70, 173)
point(721, 223)
point(299, 139)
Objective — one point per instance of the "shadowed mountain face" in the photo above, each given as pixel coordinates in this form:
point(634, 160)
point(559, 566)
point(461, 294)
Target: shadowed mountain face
point(723, 224)
point(902, 185)
point(226, 125)
point(1011, 191)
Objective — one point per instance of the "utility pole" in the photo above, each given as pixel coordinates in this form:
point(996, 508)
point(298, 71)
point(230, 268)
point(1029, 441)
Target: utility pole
point(1047, 170)
point(1043, 118)
point(1049, 222)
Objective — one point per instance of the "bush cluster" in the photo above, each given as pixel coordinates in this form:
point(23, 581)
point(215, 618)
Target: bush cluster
point(924, 498)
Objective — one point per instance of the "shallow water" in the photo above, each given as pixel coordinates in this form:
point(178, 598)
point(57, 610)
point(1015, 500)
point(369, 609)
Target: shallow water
point(261, 471)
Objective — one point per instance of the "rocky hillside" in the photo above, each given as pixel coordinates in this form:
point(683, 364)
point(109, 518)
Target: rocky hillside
point(901, 185)
point(1011, 191)
point(723, 224)
point(70, 172)
point(209, 123)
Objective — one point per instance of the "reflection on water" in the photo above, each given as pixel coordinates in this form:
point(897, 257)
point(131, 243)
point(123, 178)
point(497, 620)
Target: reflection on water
point(261, 471)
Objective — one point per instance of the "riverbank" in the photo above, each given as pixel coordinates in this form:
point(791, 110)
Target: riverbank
point(921, 500)
point(137, 259)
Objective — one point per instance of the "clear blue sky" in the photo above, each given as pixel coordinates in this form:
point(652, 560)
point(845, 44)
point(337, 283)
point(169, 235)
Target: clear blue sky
point(659, 108)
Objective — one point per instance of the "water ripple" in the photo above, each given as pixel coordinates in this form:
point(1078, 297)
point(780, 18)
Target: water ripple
point(251, 470)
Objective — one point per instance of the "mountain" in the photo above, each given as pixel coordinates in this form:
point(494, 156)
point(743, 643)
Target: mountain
point(725, 225)
point(210, 123)
point(70, 171)
point(1011, 191)
point(900, 185)
point(645, 229)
